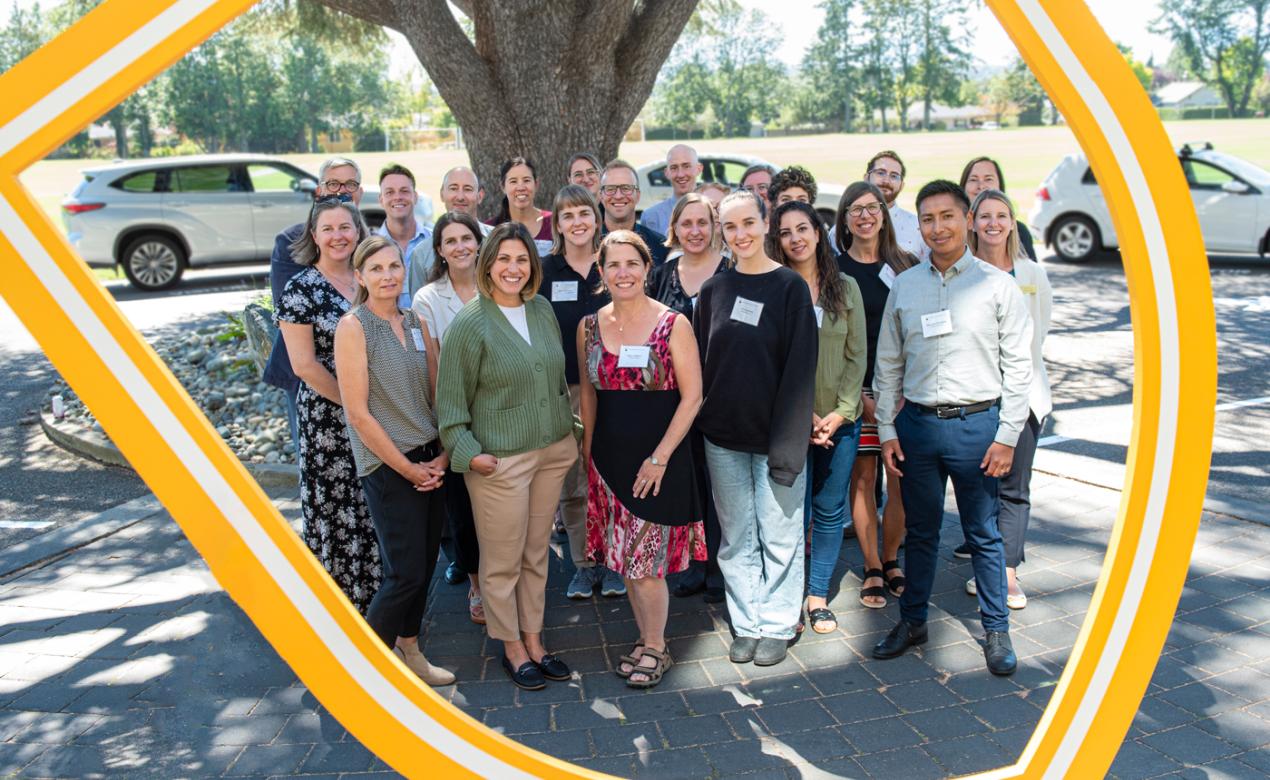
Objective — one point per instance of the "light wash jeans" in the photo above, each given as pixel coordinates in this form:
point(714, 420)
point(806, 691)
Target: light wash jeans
point(761, 549)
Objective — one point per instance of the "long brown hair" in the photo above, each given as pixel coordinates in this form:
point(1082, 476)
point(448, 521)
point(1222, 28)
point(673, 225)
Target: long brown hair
point(439, 266)
point(889, 252)
point(833, 295)
point(304, 250)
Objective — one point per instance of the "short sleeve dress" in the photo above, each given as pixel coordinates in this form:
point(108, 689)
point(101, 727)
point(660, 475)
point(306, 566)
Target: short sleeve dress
point(337, 525)
point(649, 537)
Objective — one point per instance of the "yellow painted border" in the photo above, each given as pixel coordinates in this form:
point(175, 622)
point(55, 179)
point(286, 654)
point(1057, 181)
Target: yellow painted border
point(234, 526)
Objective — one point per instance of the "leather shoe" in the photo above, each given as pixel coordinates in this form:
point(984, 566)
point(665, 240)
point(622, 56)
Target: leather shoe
point(553, 668)
point(998, 651)
point(770, 651)
point(528, 676)
point(454, 575)
point(690, 583)
point(742, 650)
point(713, 596)
point(901, 638)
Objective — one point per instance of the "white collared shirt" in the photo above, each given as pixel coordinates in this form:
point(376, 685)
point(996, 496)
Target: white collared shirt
point(908, 233)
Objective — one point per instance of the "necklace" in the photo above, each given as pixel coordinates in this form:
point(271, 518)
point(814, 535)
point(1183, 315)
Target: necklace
point(342, 286)
point(621, 329)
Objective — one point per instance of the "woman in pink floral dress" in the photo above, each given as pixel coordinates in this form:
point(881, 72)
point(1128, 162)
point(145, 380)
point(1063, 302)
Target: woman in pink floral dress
point(642, 393)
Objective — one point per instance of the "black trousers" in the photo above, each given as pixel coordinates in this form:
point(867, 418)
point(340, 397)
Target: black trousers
point(408, 524)
point(460, 543)
point(710, 518)
point(1016, 494)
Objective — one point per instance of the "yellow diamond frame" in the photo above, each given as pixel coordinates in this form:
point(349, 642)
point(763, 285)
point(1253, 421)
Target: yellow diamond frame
point(269, 572)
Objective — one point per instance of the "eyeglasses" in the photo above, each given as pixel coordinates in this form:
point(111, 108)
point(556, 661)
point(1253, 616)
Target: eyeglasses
point(883, 173)
point(757, 189)
point(858, 211)
point(587, 173)
point(613, 189)
point(335, 185)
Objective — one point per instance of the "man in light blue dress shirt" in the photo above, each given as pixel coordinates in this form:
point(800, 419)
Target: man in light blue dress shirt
point(954, 352)
point(398, 197)
point(682, 169)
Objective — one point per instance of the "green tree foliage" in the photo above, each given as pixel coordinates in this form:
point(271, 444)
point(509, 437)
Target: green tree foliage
point(831, 66)
point(1224, 42)
point(22, 34)
point(722, 69)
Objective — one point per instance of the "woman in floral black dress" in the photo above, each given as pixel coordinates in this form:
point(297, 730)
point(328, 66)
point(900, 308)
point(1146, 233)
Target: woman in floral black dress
point(337, 526)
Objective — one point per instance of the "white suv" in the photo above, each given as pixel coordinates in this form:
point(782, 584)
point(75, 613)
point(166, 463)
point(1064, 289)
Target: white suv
point(158, 217)
point(1231, 196)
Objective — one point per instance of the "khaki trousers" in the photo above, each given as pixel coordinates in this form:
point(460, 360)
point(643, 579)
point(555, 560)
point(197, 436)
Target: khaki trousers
point(573, 497)
point(513, 509)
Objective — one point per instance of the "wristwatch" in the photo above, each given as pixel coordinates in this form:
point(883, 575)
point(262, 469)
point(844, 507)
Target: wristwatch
point(653, 460)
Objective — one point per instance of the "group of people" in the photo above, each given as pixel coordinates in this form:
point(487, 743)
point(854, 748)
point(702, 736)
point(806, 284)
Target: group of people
point(701, 394)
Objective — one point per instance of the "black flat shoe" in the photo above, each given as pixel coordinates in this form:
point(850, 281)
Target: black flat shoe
point(998, 651)
point(713, 596)
point(770, 651)
point(553, 668)
point(742, 650)
point(690, 583)
point(527, 677)
point(454, 575)
point(901, 638)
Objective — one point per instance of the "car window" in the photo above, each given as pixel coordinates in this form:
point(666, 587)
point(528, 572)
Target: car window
point(657, 177)
point(269, 178)
point(732, 172)
point(1088, 178)
point(1202, 176)
point(144, 181)
point(204, 178)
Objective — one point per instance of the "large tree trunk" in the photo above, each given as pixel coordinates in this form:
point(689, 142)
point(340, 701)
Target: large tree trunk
point(544, 78)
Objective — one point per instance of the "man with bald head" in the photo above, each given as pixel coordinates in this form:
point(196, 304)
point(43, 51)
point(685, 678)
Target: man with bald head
point(460, 191)
point(682, 169)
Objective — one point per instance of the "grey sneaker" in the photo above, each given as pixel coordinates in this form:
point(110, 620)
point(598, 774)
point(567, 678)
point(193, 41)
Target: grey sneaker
point(583, 583)
point(613, 584)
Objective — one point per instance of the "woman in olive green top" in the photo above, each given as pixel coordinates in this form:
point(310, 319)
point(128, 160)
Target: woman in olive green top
point(504, 415)
point(797, 238)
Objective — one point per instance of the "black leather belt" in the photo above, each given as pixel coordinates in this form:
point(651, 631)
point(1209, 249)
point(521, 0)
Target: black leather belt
point(947, 412)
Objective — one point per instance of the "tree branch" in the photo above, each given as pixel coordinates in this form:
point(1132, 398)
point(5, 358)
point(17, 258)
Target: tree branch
point(461, 75)
point(380, 13)
point(651, 32)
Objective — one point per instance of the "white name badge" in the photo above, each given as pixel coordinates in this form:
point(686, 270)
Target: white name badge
point(887, 275)
point(937, 324)
point(633, 357)
point(747, 311)
point(820, 316)
point(564, 291)
point(693, 301)
point(417, 335)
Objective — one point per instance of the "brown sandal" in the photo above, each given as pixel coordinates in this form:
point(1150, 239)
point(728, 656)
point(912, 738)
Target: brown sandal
point(654, 674)
point(630, 659)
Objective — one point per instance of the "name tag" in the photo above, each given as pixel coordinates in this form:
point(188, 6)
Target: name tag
point(1027, 289)
point(564, 291)
point(747, 311)
point(417, 335)
point(887, 275)
point(693, 301)
point(633, 357)
point(820, 316)
point(937, 324)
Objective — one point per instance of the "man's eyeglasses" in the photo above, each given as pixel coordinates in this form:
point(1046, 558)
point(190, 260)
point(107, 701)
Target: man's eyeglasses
point(883, 173)
point(335, 185)
point(613, 189)
point(858, 211)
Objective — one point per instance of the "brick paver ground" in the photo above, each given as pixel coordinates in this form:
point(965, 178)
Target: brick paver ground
point(124, 658)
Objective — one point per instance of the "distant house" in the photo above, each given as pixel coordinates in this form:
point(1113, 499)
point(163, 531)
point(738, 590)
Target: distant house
point(1188, 94)
point(958, 117)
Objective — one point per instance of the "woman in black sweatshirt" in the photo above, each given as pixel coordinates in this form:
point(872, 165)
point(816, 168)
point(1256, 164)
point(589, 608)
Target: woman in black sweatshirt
point(757, 332)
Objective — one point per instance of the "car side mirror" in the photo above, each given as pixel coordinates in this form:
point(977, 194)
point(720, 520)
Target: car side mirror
point(306, 185)
point(1235, 187)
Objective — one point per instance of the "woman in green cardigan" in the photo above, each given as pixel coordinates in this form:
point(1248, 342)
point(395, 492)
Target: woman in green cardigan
point(503, 409)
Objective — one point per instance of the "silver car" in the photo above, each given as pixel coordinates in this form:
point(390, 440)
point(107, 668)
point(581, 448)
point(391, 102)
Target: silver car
point(726, 169)
point(155, 218)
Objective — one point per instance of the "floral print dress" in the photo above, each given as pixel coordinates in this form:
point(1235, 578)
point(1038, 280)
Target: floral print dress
point(616, 537)
point(337, 525)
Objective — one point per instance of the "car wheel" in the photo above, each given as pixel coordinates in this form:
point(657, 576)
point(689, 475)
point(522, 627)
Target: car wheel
point(1075, 238)
point(153, 262)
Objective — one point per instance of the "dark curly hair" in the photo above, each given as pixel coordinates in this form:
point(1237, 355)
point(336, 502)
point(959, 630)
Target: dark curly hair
point(793, 176)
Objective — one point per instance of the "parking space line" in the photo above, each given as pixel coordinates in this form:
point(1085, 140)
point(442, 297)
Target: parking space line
point(36, 524)
point(1248, 402)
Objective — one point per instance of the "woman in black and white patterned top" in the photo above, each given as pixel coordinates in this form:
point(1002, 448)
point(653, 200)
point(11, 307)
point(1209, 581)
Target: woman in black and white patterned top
point(383, 365)
point(337, 527)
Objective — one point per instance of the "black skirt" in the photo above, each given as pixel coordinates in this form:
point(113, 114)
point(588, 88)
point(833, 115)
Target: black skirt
point(629, 424)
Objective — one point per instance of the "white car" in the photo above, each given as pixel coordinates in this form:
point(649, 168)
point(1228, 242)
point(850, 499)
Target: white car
point(726, 169)
point(1231, 196)
point(158, 217)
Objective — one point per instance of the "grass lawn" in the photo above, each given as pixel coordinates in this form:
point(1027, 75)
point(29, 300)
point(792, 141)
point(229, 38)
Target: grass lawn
point(1026, 156)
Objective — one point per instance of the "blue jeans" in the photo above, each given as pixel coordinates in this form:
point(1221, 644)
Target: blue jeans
point(761, 544)
point(829, 480)
point(936, 451)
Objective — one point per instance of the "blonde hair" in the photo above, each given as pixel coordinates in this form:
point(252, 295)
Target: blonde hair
point(672, 241)
point(508, 231)
point(370, 247)
point(1013, 247)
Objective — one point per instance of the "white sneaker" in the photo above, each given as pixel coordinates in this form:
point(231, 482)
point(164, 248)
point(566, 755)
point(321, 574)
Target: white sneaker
point(414, 660)
point(1012, 600)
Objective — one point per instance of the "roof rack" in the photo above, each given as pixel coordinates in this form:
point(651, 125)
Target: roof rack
point(1186, 149)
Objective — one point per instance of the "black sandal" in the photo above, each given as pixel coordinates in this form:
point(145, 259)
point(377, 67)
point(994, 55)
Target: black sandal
point(894, 584)
point(874, 591)
point(819, 616)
